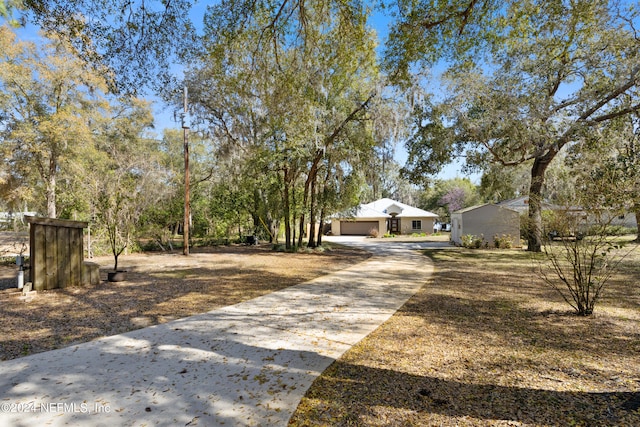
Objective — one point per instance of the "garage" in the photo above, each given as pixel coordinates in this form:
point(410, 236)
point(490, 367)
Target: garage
point(358, 228)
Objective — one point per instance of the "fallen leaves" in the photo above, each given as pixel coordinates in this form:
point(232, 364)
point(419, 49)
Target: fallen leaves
point(161, 287)
point(485, 344)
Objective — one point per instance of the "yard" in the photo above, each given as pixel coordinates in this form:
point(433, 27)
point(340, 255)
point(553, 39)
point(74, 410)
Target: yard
point(160, 287)
point(486, 343)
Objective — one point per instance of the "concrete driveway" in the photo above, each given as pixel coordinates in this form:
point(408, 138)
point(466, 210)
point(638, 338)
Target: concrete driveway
point(244, 365)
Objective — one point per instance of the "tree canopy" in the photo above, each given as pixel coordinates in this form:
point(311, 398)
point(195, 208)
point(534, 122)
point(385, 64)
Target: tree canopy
point(286, 92)
point(132, 43)
point(546, 76)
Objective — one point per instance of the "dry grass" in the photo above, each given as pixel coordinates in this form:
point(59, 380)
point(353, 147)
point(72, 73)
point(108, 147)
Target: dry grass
point(486, 343)
point(159, 287)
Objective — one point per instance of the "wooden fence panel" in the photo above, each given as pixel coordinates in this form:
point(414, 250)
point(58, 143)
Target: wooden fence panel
point(57, 252)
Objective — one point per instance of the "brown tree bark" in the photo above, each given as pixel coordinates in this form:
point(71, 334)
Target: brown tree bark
point(534, 228)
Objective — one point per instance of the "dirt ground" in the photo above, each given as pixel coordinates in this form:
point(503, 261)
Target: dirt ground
point(160, 287)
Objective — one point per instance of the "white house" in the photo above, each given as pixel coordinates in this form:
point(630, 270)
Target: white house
point(382, 216)
point(487, 221)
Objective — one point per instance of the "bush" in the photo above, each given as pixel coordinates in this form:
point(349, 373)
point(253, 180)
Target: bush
point(578, 269)
point(615, 230)
point(374, 233)
point(471, 242)
point(503, 242)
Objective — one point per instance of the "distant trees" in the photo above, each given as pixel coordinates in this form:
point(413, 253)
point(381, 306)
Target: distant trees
point(447, 196)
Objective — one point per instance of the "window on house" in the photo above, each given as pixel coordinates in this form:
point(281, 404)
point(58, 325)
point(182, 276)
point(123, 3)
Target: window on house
point(416, 224)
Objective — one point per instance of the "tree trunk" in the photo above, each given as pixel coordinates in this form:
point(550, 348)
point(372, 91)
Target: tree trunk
point(534, 228)
point(309, 188)
point(51, 191)
point(301, 227)
point(293, 215)
point(638, 224)
point(287, 211)
point(320, 227)
point(312, 214)
point(323, 201)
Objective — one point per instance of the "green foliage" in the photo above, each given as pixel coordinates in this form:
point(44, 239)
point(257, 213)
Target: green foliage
point(49, 105)
point(554, 79)
point(616, 230)
point(293, 146)
point(470, 241)
point(446, 196)
point(504, 241)
point(134, 44)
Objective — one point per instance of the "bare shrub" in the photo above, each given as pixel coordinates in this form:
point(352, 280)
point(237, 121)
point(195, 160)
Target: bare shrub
point(579, 268)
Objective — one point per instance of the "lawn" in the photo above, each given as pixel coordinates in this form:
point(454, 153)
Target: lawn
point(487, 343)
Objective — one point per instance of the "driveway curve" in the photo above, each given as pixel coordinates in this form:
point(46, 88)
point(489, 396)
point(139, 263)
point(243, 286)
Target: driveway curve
point(247, 364)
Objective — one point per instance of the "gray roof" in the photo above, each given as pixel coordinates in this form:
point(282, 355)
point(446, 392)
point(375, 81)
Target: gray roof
point(473, 208)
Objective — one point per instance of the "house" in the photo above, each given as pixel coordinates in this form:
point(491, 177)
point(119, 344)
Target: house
point(383, 216)
point(487, 221)
point(628, 220)
point(521, 204)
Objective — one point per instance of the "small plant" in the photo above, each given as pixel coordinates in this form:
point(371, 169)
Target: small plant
point(389, 235)
point(503, 242)
point(578, 269)
point(470, 241)
point(278, 247)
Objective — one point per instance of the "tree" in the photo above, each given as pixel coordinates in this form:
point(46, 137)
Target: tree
point(49, 101)
point(123, 173)
point(6, 10)
point(607, 168)
point(528, 79)
point(289, 106)
point(446, 196)
point(499, 183)
point(132, 44)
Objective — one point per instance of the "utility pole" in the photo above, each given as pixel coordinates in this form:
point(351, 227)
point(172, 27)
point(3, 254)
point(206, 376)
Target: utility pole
point(187, 213)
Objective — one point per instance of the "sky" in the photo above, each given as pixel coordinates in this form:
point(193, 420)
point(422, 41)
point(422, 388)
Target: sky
point(164, 114)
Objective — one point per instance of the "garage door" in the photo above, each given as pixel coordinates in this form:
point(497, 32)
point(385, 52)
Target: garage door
point(357, 228)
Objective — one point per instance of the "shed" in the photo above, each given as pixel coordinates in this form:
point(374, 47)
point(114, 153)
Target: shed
point(487, 221)
point(57, 254)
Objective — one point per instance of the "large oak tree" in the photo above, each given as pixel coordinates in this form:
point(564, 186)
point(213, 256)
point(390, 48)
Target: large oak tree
point(523, 81)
